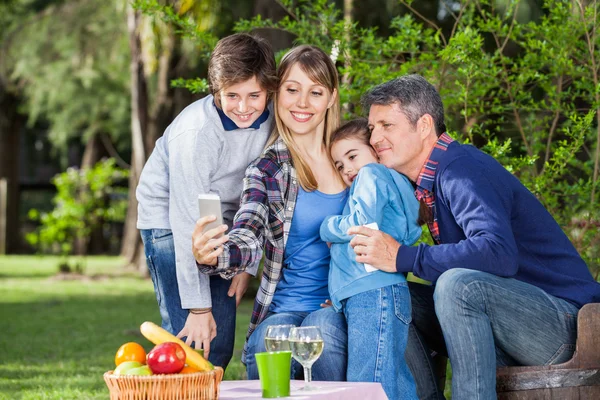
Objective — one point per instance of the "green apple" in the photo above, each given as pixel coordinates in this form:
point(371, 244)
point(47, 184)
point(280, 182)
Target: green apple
point(143, 370)
point(126, 366)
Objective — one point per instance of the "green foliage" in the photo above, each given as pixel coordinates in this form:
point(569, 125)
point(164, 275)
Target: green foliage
point(527, 92)
point(71, 62)
point(85, 200)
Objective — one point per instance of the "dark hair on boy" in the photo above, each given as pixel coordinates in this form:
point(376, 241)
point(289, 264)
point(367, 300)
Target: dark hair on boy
point(356, 128)
point(238, 58)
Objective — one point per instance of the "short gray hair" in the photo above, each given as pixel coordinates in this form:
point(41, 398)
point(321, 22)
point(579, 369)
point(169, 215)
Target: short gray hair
point(415, 97)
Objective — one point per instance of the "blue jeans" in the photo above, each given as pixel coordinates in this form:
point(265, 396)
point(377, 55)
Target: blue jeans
point(160, 257)
point(378, 322)
point(489, 321)
point(331, 366)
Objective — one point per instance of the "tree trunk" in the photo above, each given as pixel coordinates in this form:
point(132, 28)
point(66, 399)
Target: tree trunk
point(95, 244)
point(271, 9)
point(131, 247)
point(10, 126)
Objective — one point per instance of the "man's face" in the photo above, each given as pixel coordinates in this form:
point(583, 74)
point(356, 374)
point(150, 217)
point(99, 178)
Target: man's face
point(397, 143)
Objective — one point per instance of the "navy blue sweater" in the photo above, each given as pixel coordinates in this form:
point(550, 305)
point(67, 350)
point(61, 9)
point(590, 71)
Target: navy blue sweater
point(490, 222)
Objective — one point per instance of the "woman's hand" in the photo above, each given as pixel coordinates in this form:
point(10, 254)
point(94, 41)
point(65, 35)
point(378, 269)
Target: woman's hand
point(205, 247)
point(200, 329)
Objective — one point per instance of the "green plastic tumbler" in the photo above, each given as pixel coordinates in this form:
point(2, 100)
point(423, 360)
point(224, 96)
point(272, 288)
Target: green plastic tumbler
point(274, 373)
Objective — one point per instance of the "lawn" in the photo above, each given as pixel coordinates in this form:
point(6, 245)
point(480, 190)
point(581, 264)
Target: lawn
point(59, 336)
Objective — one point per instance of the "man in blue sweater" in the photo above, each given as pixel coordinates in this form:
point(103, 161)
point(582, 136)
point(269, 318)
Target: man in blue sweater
point(508, 283)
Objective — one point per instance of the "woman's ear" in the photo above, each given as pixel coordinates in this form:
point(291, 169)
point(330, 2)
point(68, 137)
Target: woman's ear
point(332, 100)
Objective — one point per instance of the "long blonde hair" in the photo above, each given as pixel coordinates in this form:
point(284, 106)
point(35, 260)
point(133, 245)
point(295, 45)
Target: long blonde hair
point(315, 63)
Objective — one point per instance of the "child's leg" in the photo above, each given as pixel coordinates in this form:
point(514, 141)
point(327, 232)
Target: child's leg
point(377, 334)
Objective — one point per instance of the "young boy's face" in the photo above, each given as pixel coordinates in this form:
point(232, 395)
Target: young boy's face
point(350, 155)
point(243, 102)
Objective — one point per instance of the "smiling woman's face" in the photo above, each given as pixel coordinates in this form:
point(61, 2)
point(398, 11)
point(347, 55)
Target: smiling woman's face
point(302, 103)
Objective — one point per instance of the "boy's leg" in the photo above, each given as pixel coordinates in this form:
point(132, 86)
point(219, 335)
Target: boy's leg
point(331, 366)
point(224, 312)
point(377, 335)
point(160, 258)
point(256, 341)
point(482, 314)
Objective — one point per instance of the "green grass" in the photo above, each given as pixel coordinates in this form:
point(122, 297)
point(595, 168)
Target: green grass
point(59, 336)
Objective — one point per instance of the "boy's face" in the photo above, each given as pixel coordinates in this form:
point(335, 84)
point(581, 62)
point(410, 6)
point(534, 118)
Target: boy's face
point(350, 155)
point(243, 102)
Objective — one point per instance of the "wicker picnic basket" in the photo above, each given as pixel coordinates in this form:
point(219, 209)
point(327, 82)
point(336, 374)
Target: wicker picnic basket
point(195, 386)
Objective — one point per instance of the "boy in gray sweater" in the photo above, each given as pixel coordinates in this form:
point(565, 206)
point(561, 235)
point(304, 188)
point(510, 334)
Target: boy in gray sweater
point(206, 149)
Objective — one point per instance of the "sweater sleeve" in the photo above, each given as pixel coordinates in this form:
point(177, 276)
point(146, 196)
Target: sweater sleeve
point(243, 251)
point(368, 197)
point(193, 158)
point(482, 208)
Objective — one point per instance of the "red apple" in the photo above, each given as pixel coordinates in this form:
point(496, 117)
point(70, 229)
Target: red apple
point(166, 358)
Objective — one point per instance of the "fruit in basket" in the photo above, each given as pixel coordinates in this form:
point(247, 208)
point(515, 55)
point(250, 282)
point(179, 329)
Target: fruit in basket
point(130, 352)
point(140, 371)
point(158, 335)
point(188, 370)
point(126, 366)
point(166, 358)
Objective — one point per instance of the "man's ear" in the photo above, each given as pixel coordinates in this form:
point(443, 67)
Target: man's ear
point(425, 125)
point(332, 100)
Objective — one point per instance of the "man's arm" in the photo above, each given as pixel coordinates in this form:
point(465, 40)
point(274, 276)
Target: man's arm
point(482, 208)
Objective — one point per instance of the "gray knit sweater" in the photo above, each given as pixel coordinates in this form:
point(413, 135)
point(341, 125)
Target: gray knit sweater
point(194, 156)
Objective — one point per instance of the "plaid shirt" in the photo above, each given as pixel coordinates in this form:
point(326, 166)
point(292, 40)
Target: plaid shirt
point(262, 222)
point(424, 190)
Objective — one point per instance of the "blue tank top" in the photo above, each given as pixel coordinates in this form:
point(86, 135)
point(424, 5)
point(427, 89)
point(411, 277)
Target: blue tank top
point(303, 282)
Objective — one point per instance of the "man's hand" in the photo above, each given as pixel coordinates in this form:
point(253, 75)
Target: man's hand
point(239, 285)
point(201, 329)
point(205, 247)
point(374, 247)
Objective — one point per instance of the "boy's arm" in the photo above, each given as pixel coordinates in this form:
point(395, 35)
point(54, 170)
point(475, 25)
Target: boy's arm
point(190, 173)
point(368, 197)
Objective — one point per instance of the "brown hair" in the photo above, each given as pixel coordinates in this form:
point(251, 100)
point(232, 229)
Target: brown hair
point(315, 63)
point(238, 58)
point(356, 128)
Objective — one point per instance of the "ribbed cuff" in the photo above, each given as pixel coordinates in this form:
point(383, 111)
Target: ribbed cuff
point(405, 259)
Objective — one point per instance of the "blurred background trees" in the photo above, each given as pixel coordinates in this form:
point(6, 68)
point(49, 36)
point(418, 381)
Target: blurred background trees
point(81, 80)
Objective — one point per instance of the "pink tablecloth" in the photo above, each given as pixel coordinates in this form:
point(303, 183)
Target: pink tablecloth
point(326, 390)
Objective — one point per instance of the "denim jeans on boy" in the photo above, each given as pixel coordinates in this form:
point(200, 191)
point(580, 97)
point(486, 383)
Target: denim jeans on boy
point(488, 321)
point(378, 322)
point(331, 366)
point(160, 257)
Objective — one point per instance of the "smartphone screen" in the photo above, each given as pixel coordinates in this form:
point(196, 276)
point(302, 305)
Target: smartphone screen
point(210, 204)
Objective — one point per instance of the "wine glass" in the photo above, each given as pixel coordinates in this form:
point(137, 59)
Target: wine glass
point(306, 344)
point(276, 338)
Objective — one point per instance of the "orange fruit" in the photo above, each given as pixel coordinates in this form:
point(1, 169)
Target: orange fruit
point(130, 352)
point(188, 370)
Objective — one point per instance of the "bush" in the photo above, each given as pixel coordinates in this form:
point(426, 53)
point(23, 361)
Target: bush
point(85, 200)
point(526, 92)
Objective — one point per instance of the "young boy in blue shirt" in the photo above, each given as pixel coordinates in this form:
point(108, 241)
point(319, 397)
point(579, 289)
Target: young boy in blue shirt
point(376, 304)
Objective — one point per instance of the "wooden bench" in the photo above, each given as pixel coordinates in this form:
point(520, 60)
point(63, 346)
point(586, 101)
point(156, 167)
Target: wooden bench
point(577, 379)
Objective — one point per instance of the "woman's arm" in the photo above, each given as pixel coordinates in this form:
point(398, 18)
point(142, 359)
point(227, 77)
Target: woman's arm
point(243, 247)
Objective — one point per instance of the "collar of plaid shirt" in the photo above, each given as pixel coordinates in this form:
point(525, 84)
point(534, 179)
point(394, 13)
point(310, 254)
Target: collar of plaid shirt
point(424, 190)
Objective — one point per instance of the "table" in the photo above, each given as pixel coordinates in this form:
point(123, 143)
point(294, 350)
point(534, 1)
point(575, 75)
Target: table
point(327, 390)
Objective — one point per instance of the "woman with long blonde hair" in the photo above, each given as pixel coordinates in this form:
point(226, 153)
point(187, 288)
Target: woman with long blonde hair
point(287, 193)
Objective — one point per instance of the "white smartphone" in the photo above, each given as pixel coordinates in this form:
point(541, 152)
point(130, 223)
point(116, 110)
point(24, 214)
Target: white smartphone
point(210, 204)
point(369, 267)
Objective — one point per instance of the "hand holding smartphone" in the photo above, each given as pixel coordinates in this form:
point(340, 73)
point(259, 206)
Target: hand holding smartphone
point(210, 204)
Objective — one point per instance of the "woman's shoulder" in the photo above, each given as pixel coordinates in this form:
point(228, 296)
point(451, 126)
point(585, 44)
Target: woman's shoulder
point(275, 157)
